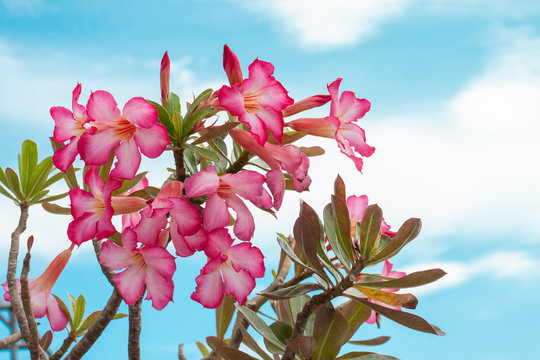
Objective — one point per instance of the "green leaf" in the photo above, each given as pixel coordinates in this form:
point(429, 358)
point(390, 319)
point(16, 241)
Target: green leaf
point(173, 104)
point(408, 301)
point(302, 346)
point(370, 228)
point(190, 161)
point(165, 119)
point(13, 183)
point(406, 233)
point(284, 244)
point(129, 184)
point(202, 348)
point(224, 315)
point(229, 353)
point(178, 126)
point(51, 198)
point(329, 333)
point(27, 163)
point(35, 199)
point(78, 311)
point(338, 230)
point(260, 326)
point(192, 119)
point(38, 178)
point(119, 316)
point(53, 179)
point(202, 97)
point(216, 132)
point(250, 342)
point(414, 279)
point(65, 309)
point(406, 319)
point(6, 193)
point(292, 291)
point(56, 209)
point(283, 331)
point(371, 342)
point(205, 153)
point(3, 177)
point(90, 319)
point(339, 188)
point(355, 313)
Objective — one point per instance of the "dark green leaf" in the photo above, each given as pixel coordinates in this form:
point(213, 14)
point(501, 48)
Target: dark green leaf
point(340, 236)
point(283, 331)
point(414, 279)
point(202, 97)
point(205, 153)
point(215, 132)
point(371, 342)
point(284, 244)
point(27, 163)
point(260, 326)
point(192, 119)
point(173, 104)
point(224, 315)
point(251, 343)
point(406, 319)
point(292, 291)
point(355, 313)
point(190, 161)
point(13, 183)
point(406, 233)
point(370, 228)
point(329, 332)
point(165, 119)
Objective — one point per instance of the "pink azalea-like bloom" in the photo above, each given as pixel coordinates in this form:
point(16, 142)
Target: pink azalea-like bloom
point(258, 101)
point(164, 75)
point(43, 304)
point(357, 206)
point(286, 157)
point(92, 211)
point(150, 266)
point(230, 269)
point(306, 104)
point(129, 133)
point(387, 271)
point(68, 125)
point(344, 111)
point(223, 193)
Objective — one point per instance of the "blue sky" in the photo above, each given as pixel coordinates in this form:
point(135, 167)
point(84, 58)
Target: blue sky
point(454, 87)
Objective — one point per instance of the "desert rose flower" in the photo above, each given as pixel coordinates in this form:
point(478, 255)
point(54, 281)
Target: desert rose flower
point(339, 125)
point(133, 131)
point(357, 206)
point(43, 304)
point(230, 269)
point(258, 101)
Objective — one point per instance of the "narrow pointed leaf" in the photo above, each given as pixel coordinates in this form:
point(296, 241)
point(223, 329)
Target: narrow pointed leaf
point(3, 177)
point(53, 179)
point(46, 340)
point(205, 153)
point(292, 291)
point(224, 315)
point(90, 319)
point(371, 342)
point(65, 309)
point(355, 313)
point(13, 182)
point(173, 104)
point(406, 233)
point(260, 326)
point(56, 209)
point(78, 313)
point(202, 348)
point(215, 342)
point(408, 301)
point(406, 319)
point(414, 279)
point(338, 230)
point(27, 163)
point(284, 244)
point(329, 332)
point(35, 199)
point(164, 118)
point(6, 193)
point(251, 343)
point(129, 184)
point(370, 228)
point(215, 132)
point(339, 188)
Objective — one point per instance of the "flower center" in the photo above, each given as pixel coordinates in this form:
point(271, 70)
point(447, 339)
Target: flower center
point(251, 102)
point(124, 130)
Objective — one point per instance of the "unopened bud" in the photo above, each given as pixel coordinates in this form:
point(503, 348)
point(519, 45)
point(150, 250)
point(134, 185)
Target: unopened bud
point(30, 242)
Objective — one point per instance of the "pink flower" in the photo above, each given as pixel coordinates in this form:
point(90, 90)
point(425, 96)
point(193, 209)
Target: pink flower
point(286, 157)
point(386, 271)
point(40, 292)
point(306, 104)
point(357, 207)
point(68, 125)
point(92, 211)
point(135, 129)
point(150, 266)
point(223, 193)
point(344, 111)
point(257, 100)
point(164, 75)
point(230, 269)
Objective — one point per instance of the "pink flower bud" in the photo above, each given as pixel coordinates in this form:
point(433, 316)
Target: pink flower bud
point(164, 76)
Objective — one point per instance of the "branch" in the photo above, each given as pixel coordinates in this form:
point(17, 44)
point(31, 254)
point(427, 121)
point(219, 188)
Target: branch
point(96, 329)
point(109, 274)
point(10, 340)
point(134, 348)
point(63, 349)
point(239, 163)
point(320, 299)
point(181, 355)
point(179, 162)
point(33, 340)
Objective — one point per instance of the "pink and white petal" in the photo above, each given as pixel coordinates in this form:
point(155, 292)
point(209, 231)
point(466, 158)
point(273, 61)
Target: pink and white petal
point(160, 289)
point(127, 204)
point(64, 124)
point(158, 259)
point(215, 213)
point(244, 225)
point(95, 149)
point(372, 318)
point(130, 283)
point(333, 89)
point(129, 239)
point(260, 76)
point(238, 284)
point(231, 99)
point(351, 108)
point(356, 137)
point(274, 96)
point(246, 140)
point(314, 126)
point(105, 227)
point(171, 189)
point(149, 227)
point(94, 182)
point(197, 241)
point(180, 244)
point(130, 220)
point(78, 110)
point(82, 202)
point(244, 256)
point(103, 108)
point(65, 156)
point(57, 318)
point(186, 216)
point(385, 230)
point(116, 257)
point(110, 186)
point(152, 141)
point(263, 201)
point(39, 300)
point(246, 183)
point(276, 184)
point(202, 183)
point(83, 228)
point(256, 127)
point(219, 241)
point(129, 159)
point(288, 156)
point(357, 207)
point(140, 112)
point(272, 120)
point(387, 271)
point(209, 290)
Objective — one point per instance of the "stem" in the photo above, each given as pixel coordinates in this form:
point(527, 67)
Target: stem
point(320, 299)
point(109, 274)
point(15, 297)
point(134, 348)
point(179, 162)
point(10, 340)
point(181, 355)
point(96, 329)
point(63, 349)
point(239, 163)
point(33, 341)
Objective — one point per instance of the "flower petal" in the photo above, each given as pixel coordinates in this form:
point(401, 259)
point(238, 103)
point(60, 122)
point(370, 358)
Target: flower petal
point(276, 184)
point(238, 284)
point(244, 225)
point(149, 227)
point(231, 65)
point(57, 318)
point(64, 124)
point(116, 257)
point(246, 183)
point(357, 207)
point(130, 283)
point(244, 256)
point(64, 157)
point(209, 291)
point(83, 228)
point(356, 137)
point(231, 99)
point(272, 120)
point(186, 216)
point(152, 141)
point(202, 183)
point(129, 159)
point(219, 241)
point(103, 108)
point(160, 289)
point(81, 202)
point(140, 112)
point(215, 213)
point(95, 149)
